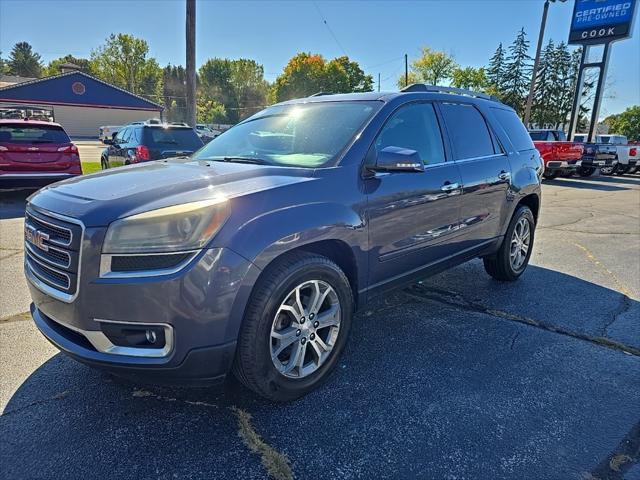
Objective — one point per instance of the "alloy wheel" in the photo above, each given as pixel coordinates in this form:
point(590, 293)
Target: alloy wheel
point(520, 244)
point(305, 329)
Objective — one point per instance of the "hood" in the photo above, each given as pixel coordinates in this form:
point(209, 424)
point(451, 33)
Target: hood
point(101, 198)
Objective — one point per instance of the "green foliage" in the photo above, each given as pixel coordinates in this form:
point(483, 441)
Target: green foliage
point(123, 61)
point(239, 85)
point(412, 78)
point(433, 67)
point(626, 123)
point(470, 78)
point(53, 68)
point(174, 93)
point(517, 73)
point(3, 65)
point(495, 69)
point(24, 62)
point(210, 111)
point(308, 73)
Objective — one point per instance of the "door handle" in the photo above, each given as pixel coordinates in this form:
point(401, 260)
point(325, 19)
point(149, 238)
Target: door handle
point(449, 187)
point(504, 175)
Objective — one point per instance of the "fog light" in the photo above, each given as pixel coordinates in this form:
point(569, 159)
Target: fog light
point(151, 336)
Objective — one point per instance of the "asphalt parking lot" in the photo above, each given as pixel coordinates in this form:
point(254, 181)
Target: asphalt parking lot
point(456, 377)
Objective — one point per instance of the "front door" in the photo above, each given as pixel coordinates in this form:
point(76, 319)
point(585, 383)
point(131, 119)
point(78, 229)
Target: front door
point(413, 217)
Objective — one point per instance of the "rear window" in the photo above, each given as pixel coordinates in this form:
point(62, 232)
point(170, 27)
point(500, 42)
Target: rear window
point(172, 138)
point(539, 136)
point(28, 134)
point(468, 131)
point(514, 129)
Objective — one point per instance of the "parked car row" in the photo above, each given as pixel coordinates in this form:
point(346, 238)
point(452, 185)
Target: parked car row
point(609, 153)
point(204, 131)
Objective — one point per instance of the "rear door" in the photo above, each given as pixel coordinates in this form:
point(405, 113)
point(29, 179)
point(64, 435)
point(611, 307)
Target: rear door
point(117, 151)
point(485, 171)
point(32, 147)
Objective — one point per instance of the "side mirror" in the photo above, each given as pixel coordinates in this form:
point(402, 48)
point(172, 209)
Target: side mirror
point(108, 141)
point(398, 159)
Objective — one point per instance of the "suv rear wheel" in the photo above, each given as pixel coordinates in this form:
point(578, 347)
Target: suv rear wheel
point(511, 260)
point(295, 327)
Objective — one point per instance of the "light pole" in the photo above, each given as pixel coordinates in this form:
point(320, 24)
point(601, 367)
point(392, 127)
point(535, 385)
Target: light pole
point(536, 62)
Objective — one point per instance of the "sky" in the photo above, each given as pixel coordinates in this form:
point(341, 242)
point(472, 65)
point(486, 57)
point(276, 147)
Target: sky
point(376, 34)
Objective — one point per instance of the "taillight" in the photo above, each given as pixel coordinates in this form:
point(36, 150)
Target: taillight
point(69, 149)
point(142, 153)
point(632, 151)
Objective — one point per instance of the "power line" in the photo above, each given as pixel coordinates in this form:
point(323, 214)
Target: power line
point(324, 20)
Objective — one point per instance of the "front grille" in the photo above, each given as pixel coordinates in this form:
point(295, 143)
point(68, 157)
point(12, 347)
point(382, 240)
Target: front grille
point(52, 251)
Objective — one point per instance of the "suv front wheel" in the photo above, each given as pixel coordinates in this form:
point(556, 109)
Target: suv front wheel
point(295, 327)
point(511, 260)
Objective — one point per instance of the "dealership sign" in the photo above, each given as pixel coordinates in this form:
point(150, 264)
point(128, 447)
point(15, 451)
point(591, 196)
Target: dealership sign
point(601, 21)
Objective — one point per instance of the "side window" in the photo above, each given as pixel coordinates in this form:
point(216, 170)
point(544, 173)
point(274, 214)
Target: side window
point(122, 135)
point(513, 127)
point(468, 131)
point(416, 127)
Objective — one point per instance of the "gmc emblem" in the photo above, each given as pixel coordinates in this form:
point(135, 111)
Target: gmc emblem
point(36, 237)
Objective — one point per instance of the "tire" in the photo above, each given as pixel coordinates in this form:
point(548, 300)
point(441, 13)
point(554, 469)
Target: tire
point(103, 163)
point(621, 169)
point(550, 175)
point(500, 265)
point(268, 312)
point(586, 171)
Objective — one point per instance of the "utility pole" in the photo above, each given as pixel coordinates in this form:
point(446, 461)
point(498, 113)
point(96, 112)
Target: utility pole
point(378, 82)
point(406, 70)
point(190, 76)
point(536, 62)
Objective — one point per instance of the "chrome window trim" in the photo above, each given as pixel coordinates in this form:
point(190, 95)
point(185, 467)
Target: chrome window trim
point(470, 159)
point(106, 258)
point(52, 292)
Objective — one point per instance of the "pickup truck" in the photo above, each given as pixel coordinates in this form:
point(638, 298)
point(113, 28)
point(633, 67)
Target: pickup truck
point(560, 157)
point(596, 155)
point(627, 155)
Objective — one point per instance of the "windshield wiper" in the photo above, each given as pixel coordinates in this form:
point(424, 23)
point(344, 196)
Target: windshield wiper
point(240, 159)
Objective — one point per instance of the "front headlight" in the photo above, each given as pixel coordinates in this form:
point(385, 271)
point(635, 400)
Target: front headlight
point(189, 226)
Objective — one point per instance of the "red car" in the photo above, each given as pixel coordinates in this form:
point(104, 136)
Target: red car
point(35, 153)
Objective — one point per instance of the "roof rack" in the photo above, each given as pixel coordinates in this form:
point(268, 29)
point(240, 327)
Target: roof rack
point(320, 94)
point(423, 87)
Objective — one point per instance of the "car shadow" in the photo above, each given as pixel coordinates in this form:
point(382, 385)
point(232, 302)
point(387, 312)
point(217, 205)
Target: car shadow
point(431, 381)
point(580, 184)
point(13, 203)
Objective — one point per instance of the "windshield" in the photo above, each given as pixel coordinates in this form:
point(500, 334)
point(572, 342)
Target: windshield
point(301, 135)
point(27, 134)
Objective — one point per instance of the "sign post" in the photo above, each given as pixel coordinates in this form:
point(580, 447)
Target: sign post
point(597, 22)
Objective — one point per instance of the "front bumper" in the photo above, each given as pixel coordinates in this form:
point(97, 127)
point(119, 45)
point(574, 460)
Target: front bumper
point(201, 305)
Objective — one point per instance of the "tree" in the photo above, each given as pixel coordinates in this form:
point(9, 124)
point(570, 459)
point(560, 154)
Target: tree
point(433, 66)
point(517, 74)
point(495, 69)
point(24, 62)
point(53, 68)
point(238, 85)
point(469, 78)
point(3, 65)
point(542, 111)
point(209, 111)
point(626, 123)
point(123, 61)
point(307, 73)
point(174, 93)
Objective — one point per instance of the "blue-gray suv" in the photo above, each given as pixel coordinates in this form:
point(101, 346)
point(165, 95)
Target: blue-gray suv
point(252, 254)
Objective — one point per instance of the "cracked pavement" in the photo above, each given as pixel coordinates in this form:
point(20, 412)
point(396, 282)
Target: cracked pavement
point(455, 377)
